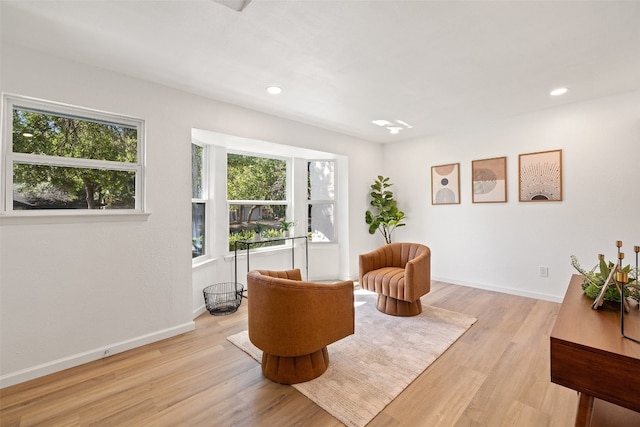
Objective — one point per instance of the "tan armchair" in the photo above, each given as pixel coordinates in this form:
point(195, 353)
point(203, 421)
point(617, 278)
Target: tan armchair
point(293, 321)
point(400, 273)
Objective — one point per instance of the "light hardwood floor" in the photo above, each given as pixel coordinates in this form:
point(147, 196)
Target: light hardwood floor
point(496, 374)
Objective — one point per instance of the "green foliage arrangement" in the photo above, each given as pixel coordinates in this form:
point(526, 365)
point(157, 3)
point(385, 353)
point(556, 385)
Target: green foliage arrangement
point(260, 227)
point(594, 280)
point(247, 235)
point(385, 216)
point(286, 225)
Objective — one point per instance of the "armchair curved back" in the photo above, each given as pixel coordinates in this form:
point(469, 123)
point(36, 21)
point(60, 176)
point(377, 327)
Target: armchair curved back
point(290, 317)
point(414, 258)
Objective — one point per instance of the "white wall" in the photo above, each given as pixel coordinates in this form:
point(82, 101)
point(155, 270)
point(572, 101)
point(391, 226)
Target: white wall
point(502, 245)
point(68, 291)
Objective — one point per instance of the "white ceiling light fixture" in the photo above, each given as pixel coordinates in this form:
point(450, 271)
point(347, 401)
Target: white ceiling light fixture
point(381, 122)
point(274, 90)
point(405, 124)
point(559, 91)
point(392, 127)
point(237, 5)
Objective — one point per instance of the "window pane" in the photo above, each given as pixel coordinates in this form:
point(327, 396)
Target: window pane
point(321, 184)
point(256, 178)
point(46, 133)
point(197, 229)
point(245, 220)
point(197, 171)
point(58, 187)
point(321, 222)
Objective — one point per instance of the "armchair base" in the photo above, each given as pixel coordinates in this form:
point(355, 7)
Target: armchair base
point(396, 307)
point(298, 369)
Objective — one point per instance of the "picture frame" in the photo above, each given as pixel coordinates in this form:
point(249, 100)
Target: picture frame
point(540, 176)
point(489, 180)
point(445, 184)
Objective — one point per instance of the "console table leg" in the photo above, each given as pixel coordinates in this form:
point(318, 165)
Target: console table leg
point(585, 410)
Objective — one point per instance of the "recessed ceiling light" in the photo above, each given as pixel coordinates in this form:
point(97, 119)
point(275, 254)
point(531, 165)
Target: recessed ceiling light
point(558, 91)
point(274, 90)
point(394, 129)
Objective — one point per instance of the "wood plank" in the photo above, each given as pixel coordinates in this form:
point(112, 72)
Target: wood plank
point(589, 354)
point(495, 374)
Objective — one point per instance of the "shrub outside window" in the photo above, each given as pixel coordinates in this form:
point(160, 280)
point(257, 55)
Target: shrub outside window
point(59, 157)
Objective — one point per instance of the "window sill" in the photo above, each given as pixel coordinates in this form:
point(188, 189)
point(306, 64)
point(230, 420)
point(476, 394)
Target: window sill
point(72, 218)
point(202, 263)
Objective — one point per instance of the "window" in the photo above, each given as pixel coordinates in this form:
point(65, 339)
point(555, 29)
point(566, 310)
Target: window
point(198, 201)
point(321, 200)
point(59, 157)
point(256, 197)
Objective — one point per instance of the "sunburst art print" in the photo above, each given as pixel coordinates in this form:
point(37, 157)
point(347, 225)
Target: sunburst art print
point(540, 176)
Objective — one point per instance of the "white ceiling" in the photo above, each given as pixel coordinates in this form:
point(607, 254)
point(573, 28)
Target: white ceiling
point(437, 65)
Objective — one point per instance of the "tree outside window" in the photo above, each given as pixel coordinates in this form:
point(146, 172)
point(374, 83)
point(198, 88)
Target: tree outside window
point(256, 196)
point(65, 160)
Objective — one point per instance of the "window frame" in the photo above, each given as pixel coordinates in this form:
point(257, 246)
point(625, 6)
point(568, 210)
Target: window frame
point(9, 157)
point(204, 200)
point(319, 202)
point(287, 202)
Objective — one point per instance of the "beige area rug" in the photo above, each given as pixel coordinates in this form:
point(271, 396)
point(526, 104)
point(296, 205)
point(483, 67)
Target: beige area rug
point(369, 369)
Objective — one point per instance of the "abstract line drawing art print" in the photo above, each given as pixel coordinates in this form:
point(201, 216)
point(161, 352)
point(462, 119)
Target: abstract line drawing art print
point(540, 176)
point(489, 179)
point(445, 184)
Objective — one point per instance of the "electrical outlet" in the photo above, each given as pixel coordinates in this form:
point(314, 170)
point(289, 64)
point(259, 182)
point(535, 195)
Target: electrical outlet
point(544, 271)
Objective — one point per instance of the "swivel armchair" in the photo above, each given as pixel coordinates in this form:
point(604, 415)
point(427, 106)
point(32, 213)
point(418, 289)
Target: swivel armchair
point(292, 322)
point(400, 273)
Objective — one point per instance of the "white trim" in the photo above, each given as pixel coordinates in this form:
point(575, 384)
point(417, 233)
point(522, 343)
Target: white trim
point(91, 355)
point(199, 311)
point(504, 290)
point(10, 101)
point(72, 216)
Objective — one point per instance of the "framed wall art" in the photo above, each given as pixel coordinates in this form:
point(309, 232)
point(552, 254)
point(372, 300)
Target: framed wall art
point(445, 184)
point(489, 180)
point(540, 176)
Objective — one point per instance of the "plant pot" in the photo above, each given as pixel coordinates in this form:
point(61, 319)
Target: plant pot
point(257, 237)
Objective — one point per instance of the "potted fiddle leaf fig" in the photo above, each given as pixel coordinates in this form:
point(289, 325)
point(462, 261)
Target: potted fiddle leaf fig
point(385, 215)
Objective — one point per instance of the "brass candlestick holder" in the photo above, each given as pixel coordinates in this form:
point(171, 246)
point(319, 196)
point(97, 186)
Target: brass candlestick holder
point(622, 280)
point(618, 277)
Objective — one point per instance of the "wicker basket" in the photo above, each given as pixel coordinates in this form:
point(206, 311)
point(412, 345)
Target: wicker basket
point(223, 298)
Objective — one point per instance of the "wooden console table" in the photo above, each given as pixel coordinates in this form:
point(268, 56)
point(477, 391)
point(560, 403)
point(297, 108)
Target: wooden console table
point(590, 355)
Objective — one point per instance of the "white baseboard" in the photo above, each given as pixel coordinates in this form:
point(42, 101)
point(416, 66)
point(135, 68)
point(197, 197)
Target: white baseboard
point(511, 291)
point(198, 311)
point(91, 355)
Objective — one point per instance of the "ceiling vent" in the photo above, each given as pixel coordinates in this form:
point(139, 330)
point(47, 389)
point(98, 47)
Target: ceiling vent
point(237, 5)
